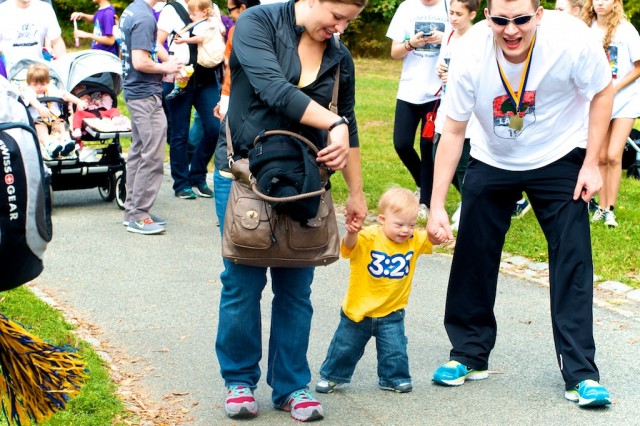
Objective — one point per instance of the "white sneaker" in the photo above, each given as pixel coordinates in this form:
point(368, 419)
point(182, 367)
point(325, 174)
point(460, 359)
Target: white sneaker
point(423, 212)
point(610, 218)
point(598, 215)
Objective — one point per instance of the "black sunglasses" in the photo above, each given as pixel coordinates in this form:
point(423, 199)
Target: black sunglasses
point(231, 9)
point(518, 20)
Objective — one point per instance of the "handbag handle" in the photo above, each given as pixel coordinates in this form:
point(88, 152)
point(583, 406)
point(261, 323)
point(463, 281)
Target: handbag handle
point(310, 145)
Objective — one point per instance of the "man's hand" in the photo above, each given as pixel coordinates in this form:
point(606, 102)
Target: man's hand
point(438, 226)
point(588, 184)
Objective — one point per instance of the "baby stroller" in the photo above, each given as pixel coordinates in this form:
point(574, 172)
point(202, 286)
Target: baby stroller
point(631, 155)
point(98, 160)
point(53, 130)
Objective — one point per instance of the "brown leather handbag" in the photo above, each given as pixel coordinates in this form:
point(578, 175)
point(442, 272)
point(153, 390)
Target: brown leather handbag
point(257, 234)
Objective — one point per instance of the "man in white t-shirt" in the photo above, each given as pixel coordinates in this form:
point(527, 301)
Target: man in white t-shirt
point(24, 26)
point(539, 143)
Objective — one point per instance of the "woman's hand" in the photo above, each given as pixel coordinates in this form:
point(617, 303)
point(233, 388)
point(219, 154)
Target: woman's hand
point(356, 212)
point(335, 155)
point(443, 72)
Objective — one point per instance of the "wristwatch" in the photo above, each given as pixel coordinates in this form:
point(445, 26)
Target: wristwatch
point(343, 120)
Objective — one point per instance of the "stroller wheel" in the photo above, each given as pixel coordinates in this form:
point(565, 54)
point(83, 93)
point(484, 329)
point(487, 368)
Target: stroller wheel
point(634, 170)
point(121, 190)
point(108, 188)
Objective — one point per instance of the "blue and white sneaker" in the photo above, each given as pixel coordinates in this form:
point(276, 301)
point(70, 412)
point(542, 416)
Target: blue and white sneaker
point(589, 393)
point(455, 374)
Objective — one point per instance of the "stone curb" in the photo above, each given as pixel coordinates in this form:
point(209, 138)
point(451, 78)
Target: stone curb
point(538, 272)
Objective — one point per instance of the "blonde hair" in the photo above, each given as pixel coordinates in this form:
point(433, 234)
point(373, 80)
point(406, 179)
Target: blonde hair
point(613, 20)
point(204, 5)
point(38, 73)
point(396, 200)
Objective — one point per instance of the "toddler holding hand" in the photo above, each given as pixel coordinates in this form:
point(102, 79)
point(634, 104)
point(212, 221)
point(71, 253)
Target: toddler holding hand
point(383, 259)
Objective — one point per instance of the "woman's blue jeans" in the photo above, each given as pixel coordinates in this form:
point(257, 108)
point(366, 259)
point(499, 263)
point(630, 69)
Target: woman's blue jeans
point(239, 341)
point(350, 339)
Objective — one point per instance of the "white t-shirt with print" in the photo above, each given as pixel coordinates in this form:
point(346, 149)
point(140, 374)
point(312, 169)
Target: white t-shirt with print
point(568, 68)
point(419, 81)
point(449, 44)
point(23, 31)
point(623, 51)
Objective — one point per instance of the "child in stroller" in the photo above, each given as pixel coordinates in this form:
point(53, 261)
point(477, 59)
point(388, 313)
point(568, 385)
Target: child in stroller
point(52, 129)
point(99, 107)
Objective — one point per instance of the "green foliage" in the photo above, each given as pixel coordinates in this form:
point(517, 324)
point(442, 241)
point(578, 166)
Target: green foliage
point(365, 37)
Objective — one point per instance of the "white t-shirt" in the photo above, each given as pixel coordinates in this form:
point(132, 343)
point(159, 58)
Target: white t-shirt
point(623, 51)
point(449, 44)
point(568, 68)
point(419, 81)
point(23, 31)
point(170, 22)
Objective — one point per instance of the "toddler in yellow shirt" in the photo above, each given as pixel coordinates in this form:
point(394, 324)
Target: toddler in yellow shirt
point(382, 261)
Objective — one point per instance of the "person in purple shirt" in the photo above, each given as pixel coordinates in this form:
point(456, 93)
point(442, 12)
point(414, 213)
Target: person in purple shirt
point(104, 21)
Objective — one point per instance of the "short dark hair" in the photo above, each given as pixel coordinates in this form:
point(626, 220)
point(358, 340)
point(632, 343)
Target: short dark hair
point(534, 3)
point(247, 3)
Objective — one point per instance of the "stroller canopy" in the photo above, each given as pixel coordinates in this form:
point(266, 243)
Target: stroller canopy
point(93, 68)
point(18, 72)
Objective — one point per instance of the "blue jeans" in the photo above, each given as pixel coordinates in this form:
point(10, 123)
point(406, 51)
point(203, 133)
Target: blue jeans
point(239, 340)
point(221, 189)
point(350, 339)
point(203, 98)
point(196, 132)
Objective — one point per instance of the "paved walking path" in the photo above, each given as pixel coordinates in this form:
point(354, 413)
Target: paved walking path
point(153, 301)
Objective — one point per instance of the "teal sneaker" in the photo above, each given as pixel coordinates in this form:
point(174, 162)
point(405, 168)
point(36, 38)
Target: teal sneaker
point(589, 393)
point(455, 374)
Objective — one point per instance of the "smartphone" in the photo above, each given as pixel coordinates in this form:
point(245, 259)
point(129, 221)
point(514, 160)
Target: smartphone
point(427, 35)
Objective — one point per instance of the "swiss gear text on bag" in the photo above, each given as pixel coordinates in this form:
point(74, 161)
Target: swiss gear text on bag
point(25, 202)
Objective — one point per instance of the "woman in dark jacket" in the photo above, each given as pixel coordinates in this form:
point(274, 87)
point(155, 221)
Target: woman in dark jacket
point(283, 64)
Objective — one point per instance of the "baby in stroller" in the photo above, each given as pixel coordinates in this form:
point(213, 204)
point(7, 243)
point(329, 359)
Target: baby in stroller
point(99, 107)
point(52, 129)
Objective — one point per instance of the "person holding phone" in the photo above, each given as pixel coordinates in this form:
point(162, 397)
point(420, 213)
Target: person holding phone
point(416, 32)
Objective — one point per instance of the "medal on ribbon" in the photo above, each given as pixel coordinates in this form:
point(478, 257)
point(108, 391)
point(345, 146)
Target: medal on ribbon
point(516, 122)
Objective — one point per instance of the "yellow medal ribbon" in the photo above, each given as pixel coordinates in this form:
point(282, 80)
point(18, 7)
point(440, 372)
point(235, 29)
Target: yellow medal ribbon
point(516, 122)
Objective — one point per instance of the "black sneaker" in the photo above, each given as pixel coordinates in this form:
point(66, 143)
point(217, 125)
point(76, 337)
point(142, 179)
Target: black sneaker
point(69, 147)
point(203, 190)
point(520, 209)
point(186, 194)
point(593, 206)
point(175, 93)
